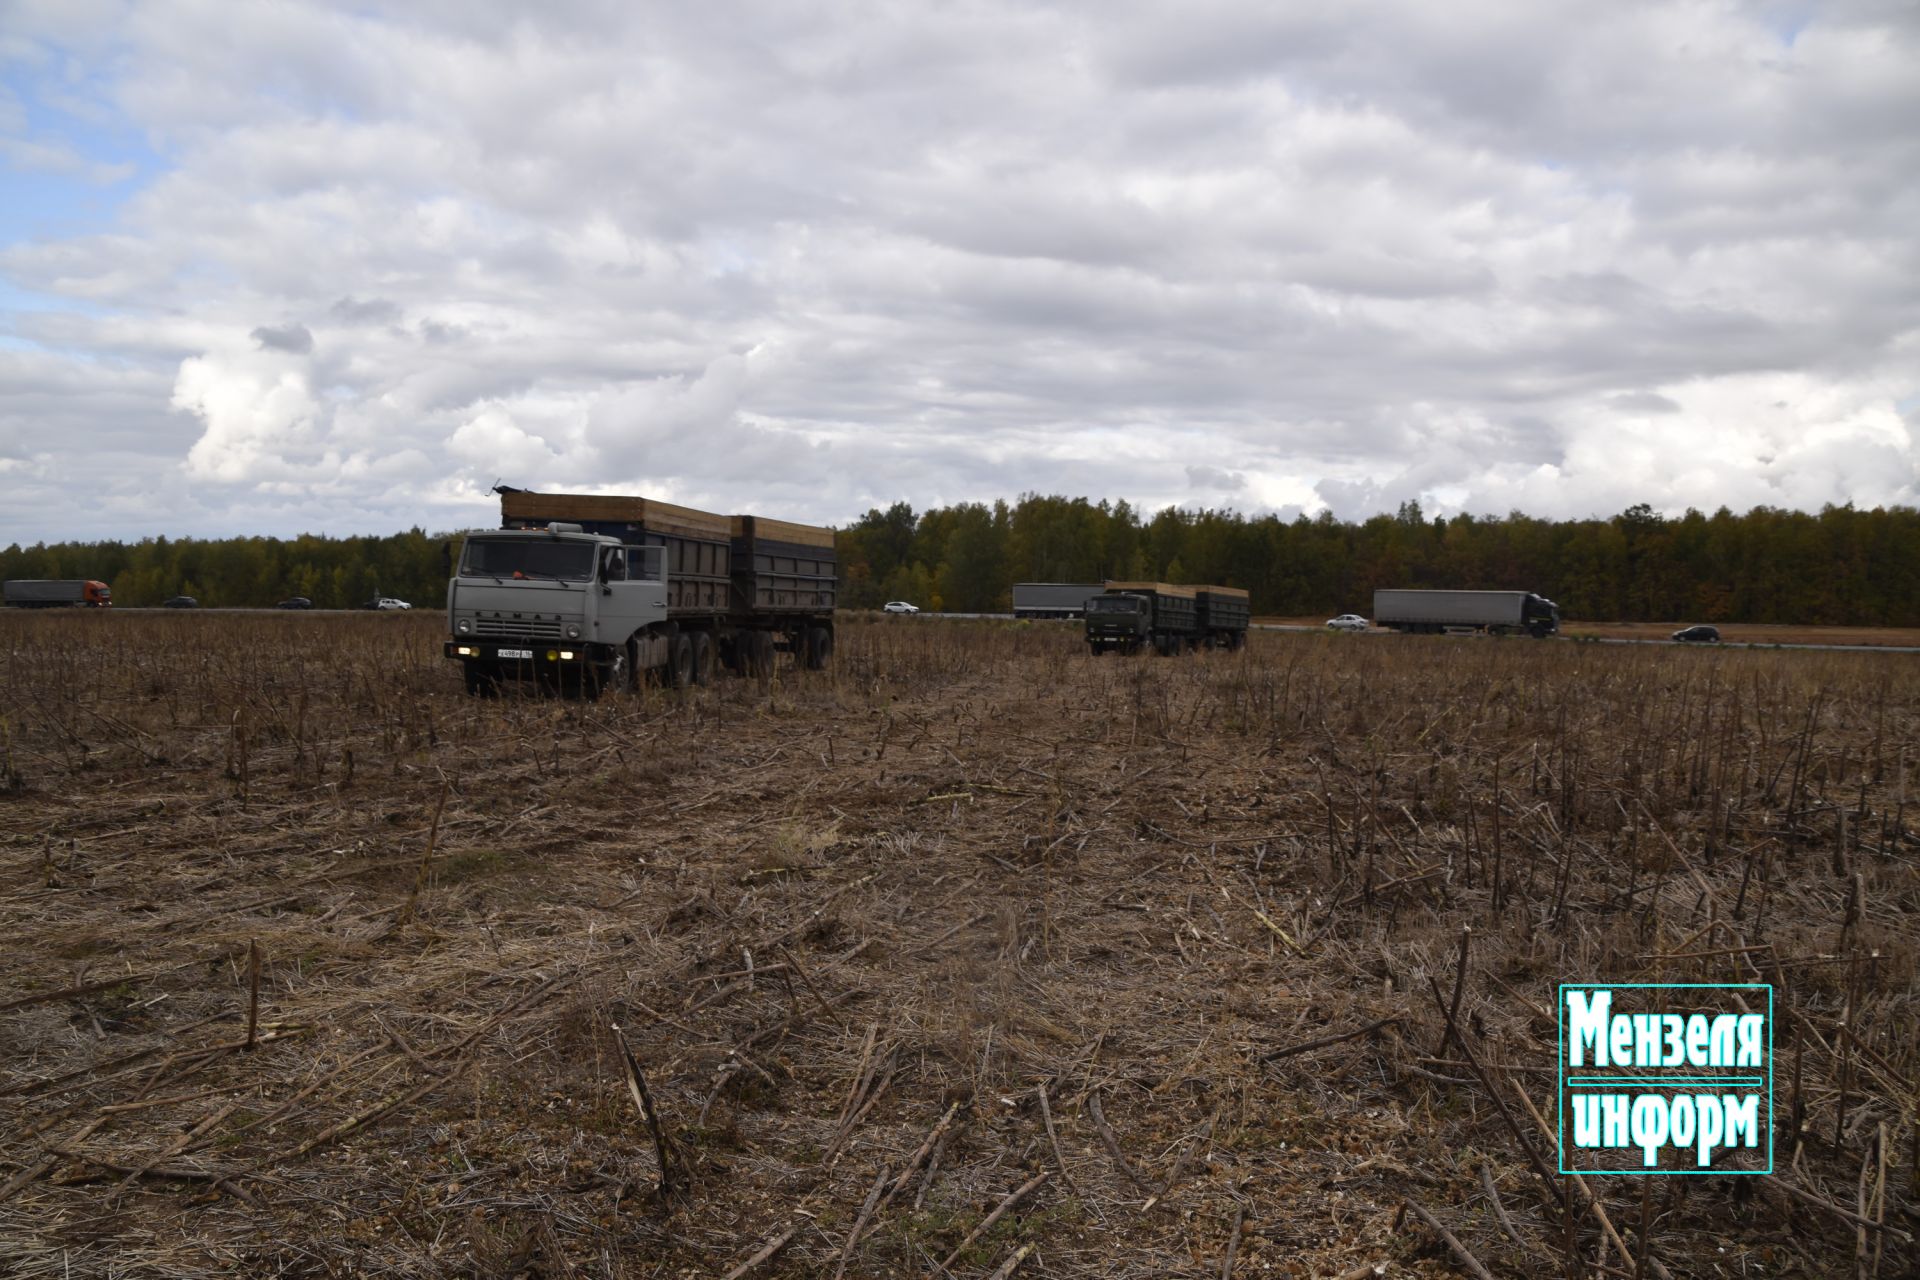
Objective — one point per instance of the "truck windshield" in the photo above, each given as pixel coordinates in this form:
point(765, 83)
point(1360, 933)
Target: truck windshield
point(1113, 604)
point(555, 559)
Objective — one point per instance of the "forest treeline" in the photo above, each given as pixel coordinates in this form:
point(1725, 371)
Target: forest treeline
point(1840, 567)
point(334, 573)
point(1837, 567)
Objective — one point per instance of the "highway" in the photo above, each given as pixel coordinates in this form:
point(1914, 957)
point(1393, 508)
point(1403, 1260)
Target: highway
point(1258, 626)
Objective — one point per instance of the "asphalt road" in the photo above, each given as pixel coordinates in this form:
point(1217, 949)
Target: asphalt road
point(1258, 626)
point(1381, 631)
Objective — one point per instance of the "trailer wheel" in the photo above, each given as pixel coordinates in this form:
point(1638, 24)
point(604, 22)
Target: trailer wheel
point(680, 662)
point(819, 647)
point(702, 658)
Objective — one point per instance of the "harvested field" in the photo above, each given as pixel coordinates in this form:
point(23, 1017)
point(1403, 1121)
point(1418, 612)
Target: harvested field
point(974, 955)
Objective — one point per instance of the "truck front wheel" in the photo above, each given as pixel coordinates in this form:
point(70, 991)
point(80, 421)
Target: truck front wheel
point(614, 674)
point(480, 681)
point(702, 658)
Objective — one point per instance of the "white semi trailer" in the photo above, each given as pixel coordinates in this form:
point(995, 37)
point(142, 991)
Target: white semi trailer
point(1500, 612)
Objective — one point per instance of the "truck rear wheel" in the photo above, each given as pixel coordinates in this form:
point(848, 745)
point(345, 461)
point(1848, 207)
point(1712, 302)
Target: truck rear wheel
point(680, 661)
point(702, 658)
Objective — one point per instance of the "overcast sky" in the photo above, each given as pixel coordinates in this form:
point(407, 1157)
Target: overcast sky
point(272, 268)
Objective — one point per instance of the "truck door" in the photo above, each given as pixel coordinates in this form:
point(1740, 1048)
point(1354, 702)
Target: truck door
point(633, 591)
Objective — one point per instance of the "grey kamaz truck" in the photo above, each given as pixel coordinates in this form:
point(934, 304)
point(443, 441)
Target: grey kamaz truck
point(591, 592)
point(1129, 616)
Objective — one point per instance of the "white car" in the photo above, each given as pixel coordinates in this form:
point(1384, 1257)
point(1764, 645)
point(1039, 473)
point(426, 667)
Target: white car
point(900, 606)
point(1348, 622)
point(387, 602)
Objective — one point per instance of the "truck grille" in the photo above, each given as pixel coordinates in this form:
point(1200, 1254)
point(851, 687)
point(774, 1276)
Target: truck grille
point(517, 628)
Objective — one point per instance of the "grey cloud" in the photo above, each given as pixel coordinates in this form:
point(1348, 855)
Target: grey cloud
point(296, 339)
point(1213, 478)
point(1643, 402)
point(357, 311)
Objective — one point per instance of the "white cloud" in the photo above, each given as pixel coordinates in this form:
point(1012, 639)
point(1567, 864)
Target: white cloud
point(259, 410)
point(1560, 257)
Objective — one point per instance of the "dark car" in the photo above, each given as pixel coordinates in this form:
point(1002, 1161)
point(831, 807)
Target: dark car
point(296, 602)
point(1699, 635)
point(180, 602)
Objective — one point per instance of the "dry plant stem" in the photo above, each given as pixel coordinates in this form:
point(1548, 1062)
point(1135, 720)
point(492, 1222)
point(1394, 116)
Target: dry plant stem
point(1233, 1241)
point(986, 1224)
point(1112, 1143)
point(1053, 1139)
point(1324, 1041)
point(1781, 1183)
point(68, 993)
point(1499, 1209)
point(1180, 1165)
point(1459, 986)
point(867, 1207)
point(672, 1176)
point(1472, 1264)
point(253, 992)
point(765, 1251)
point(859, 1079)
point(426, 858)
point(1513, 1126)
point(913, 1162)
point(180, 1144)
point(807, 978)
point(1012, 1263)
point(1592, 1201)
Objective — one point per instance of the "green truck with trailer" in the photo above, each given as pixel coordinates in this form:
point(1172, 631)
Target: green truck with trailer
point(595, 591)
point(1169, 619)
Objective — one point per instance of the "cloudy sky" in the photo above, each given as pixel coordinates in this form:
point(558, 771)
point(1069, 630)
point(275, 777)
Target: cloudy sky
point(290, 266)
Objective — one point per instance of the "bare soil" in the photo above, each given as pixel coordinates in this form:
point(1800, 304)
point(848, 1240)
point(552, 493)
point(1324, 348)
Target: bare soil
point(973, 953)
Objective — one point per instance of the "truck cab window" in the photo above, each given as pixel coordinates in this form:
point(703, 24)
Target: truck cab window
point(556, 560)
point(647, 564)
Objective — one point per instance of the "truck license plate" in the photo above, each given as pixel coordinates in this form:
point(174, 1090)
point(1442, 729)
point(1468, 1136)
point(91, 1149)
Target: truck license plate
point(526, 654)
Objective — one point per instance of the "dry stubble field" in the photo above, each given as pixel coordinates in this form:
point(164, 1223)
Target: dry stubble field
point(974, 955)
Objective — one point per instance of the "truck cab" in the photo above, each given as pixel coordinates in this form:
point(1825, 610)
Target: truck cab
point(554, 605)
point(1119, 620)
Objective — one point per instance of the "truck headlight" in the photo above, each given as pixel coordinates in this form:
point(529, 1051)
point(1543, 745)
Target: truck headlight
point(573, 631)
point(463, 627)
